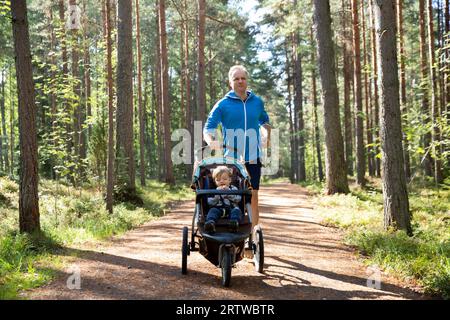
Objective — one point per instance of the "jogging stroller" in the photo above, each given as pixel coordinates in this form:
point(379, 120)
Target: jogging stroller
point(222, 248)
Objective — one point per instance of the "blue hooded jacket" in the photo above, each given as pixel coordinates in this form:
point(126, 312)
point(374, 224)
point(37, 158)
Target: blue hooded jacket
point(238, 117)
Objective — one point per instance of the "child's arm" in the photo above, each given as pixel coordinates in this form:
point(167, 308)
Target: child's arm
point(234, 198)
point(212, 201)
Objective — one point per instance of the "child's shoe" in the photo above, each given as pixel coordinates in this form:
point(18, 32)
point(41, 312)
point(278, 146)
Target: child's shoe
point(210, 226)
point(234, 225)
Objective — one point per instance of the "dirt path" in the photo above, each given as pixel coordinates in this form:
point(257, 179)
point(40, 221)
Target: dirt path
point(304, 260)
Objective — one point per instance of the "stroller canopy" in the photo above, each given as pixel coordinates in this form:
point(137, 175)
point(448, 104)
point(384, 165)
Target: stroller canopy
point(219, 161)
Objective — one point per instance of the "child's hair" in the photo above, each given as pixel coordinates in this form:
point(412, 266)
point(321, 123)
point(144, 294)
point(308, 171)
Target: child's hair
point(220, 170)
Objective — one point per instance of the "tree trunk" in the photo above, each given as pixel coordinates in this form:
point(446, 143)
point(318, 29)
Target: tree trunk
point(367, 98)
point(53, 87)
point(293, 172)
point(376, 115)
point(4, 132)
point(359, 126)
point(110, 180)
point(395, 195)
point(11, 123)
point(438, 176)
point(65, 74)
point(298, 107)
point(2, 114)
point(447, 72)
point(403, 101)
point(201, 85)
point(87, 77)
point(187, 82)
point(159, 118)
point(140, 106)
point(170, 179)
point(426, 139)
point(78, 138)
point(28, 192)
point(336, 176)
point(315, 118)
point(124, 118)
point(347, 65)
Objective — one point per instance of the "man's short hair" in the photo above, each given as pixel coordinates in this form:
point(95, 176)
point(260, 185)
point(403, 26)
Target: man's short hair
point(234, 68)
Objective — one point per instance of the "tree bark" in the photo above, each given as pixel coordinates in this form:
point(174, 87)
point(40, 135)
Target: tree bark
point(11, 124)
point(435, 136)
point(124, 118)
point(315, 118)
point(65, 73)
point(395, 195)
point(159, 117)
point(336, 177)
point(201, 85)
point(376, 115)
point(4, 132)
point(359, 126)
point(87, 77)
point(187, 83)
point(29, 220)
point(293, 172)
point(78, 138)
point(367, 98)
point(110, 179)
point(140, 106)
point(403, 101)
point(347, 65)
point(447, 71)
point(426, 139)
point(170, 179)
point(298, 107)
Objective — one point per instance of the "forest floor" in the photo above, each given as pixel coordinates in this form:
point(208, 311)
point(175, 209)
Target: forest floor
point(303, 260)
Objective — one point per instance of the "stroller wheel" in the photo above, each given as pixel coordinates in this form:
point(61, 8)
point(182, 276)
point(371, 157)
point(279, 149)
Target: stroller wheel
point(184, 251)
point(258, 249)
point(226, 268)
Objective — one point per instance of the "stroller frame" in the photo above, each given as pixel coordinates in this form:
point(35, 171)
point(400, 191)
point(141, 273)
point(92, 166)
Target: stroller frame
point(223, 249)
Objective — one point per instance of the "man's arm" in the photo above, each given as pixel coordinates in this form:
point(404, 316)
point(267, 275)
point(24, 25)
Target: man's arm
point(266, 128)
point(211, 125)
point(210, 141)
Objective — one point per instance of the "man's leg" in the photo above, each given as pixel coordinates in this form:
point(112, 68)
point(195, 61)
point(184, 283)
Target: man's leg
point(255, 209)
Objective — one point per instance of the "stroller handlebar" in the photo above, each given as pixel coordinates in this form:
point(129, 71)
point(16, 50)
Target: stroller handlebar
point(213, 192)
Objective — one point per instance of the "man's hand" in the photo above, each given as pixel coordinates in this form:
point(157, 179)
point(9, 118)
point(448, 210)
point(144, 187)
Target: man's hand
point(215, 145)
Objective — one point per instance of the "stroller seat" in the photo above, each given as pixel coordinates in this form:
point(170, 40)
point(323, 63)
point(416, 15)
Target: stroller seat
point(208, 183)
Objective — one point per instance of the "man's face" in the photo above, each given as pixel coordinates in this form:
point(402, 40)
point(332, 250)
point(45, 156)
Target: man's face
point(239, 81)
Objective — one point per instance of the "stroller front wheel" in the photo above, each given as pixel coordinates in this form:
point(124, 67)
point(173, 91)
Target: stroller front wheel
point(184, 251)
point(258, 250)
point(226, 268)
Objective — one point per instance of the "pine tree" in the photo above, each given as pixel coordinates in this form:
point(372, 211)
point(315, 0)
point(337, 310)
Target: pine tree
point(29, 219)
point(336, 177)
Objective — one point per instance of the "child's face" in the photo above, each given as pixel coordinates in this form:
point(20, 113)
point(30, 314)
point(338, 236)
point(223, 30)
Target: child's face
point(223, 180)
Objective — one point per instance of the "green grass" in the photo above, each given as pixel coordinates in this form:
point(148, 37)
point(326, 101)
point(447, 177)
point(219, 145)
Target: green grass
point(69, 218)
point(423, 258)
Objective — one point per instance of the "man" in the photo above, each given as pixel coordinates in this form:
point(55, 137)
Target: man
point(241, 114)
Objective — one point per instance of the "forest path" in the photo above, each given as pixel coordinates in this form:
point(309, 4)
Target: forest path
point(303, 260)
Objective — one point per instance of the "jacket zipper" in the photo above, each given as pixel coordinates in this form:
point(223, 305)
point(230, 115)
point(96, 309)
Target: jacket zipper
point(245, 128)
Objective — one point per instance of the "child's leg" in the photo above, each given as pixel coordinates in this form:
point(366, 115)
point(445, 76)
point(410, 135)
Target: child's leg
point(236, 214)
point(213, 214)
